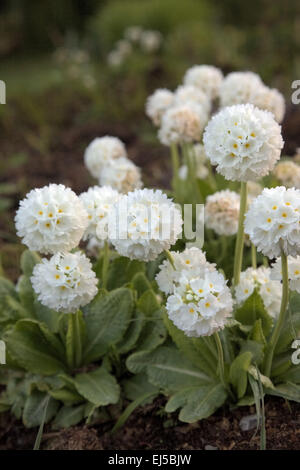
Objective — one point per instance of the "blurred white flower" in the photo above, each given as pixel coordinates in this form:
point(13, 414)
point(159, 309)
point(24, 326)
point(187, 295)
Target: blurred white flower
point(51, 219)
point(133, 33)
point(269, 289)
point(200, 302)
point(182, 123)
point(293, 272)
point(254, 189)
point(206, 77)
point(97, 202)
point(150, 41)
point(102, 151)
point(65, 282)
point(288, 173)
point(222, 212)
point(123, 47)
point(273, 221)
point(270, 100)
point(158, 103)
point(115, 58)
point(239, 88)
point(190, 94)
point(121, 174)
point(144, 223)
point(243, 141)
point(198, 154)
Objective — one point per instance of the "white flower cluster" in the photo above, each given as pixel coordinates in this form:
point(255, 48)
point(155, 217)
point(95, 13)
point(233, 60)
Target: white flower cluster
point(190, 94)
point(273, 221)
point(288, 173)
point(199, 301)
point(106, 159)
point(144, 223)
point(205, 77)
point(97, 203)
point(158, 103)
point(222, 212)
point(268, 288)
point(293, 272)
point(182, 123)
point(199, 157)
point(247, 87)
point(243, 141)
point(65, 282)
point(51, 219)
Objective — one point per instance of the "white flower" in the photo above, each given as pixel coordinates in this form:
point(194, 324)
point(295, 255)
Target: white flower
point(222, 212)
point(123, 47)
point(121, 174)
point(97, 202)
point(244, 142)
point(293, 272)
point(158, 103)
point(200, 301)
point(270, 100)
point(182, 123)
point(239, 88)
point(198, 154)
point(254, 189)
point(191, 94)
point(205, 77)
point(115, 58)
point(65, 282)
point(94, 246)
point(102, 151)
point(288, 173)
point(269, 289)
point(133, 33)
point(144, 223)
point(188, 260)
point(150, 41)
point(51, 219)
point(273, 221)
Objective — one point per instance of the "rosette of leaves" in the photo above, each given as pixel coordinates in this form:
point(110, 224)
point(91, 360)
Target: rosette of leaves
point(73, 366)
point(186, 369)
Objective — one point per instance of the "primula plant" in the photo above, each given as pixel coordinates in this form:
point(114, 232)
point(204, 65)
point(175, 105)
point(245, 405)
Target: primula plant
point(115, 303)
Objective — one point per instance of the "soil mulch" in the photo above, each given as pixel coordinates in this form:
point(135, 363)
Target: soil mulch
point(149, 428)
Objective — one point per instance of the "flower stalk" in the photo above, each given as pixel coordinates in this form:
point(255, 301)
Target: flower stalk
point(239, 245)
point(105, 264)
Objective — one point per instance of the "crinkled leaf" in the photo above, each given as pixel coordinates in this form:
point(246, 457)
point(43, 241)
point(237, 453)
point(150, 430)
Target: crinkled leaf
point(99, 387)
point(252, 310)
point(28, 260)
point(69, 416)
point(34, 409)
point(148, 303)
point(289, 391)
point(132, 334)
point(238, 372)
point(122, 270)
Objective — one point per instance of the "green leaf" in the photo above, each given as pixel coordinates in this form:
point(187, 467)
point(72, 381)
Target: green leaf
point(33, 346)
point(288, 390)
point(68, 397)
point(69, 416)
point(153, 334)
point(34, 408)
point(252, 310)
point(292, 375)
point(130, 409)
point(75, 339)
point(256, 349)
point(26, 294)
point(28, 260)
point(132, 334)
point(99, 387)
point(137, 386)
point(195, 349)
point(148, 303)
point(107, 318)
point(290, 331)
point(48, 316)
point(140, 283)
point(122, 270)
point(257, 333)
point(238, 372)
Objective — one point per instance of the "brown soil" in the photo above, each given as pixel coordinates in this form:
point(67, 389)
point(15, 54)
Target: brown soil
point(149, 428)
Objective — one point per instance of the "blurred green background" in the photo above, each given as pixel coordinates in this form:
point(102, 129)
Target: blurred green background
point(63, 90)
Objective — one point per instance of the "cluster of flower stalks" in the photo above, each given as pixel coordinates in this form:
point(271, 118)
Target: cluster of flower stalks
point(229, 340)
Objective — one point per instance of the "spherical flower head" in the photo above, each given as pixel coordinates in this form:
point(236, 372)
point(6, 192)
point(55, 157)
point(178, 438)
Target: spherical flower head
point(188, 260)
point(65, 282)
point(293, 272)
point(158, 103)
point(243, 142)
point(97, 203)
point(144, 223)
point(288, 173)
point(270, 100)
point(269, 289)
point(254, 189)
point(222, 212)
point(205, 77)
point(198, 155)
point(191, 94)
point(273, 221)
point(51, 219)
point(101, 151)
point(150, 41)
point(182, 123)
point(122, 175)
point(239, 88)
point(133, 33)
point(200, 302)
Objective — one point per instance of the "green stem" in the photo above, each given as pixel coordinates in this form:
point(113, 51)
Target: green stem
point(220, 359)
point(253, 256)
point(105, 264)
point(188, 153)
point(175, 167)
point(170, 258)
point(239, 244)
point(282, 315)
point(74, 340)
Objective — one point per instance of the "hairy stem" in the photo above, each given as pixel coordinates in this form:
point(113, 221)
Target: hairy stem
point(105, 263)
point(239, 244)
point(253, 256)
